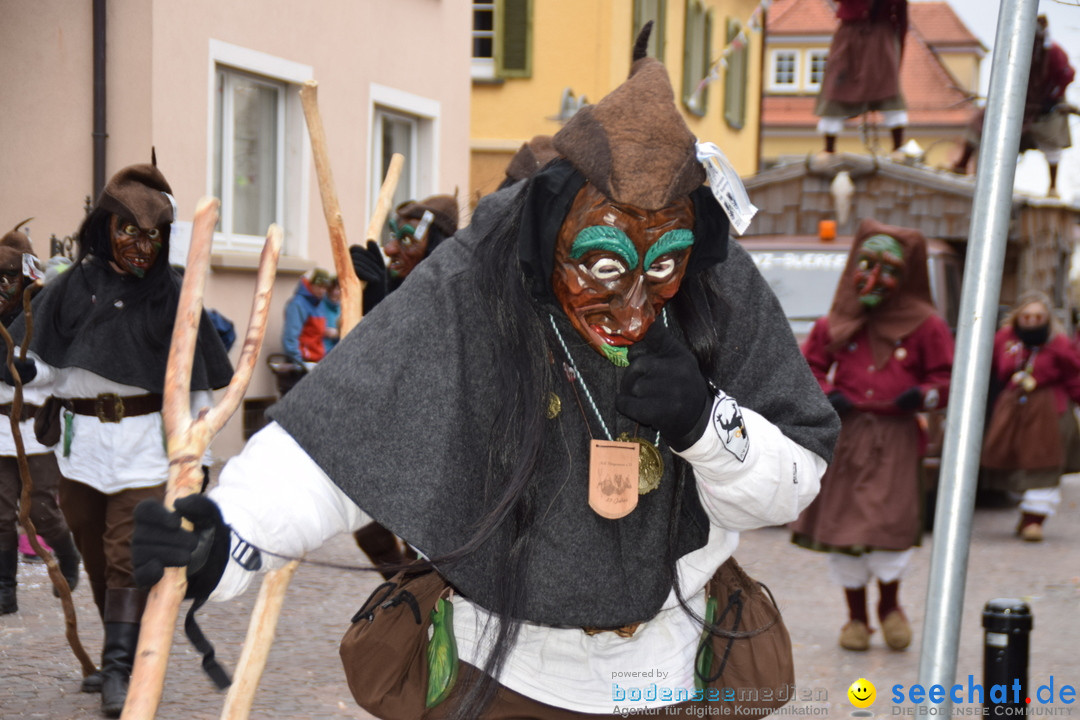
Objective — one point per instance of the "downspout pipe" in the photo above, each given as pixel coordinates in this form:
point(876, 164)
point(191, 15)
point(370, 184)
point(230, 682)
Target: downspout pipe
point(99, 135)
point(974, 344)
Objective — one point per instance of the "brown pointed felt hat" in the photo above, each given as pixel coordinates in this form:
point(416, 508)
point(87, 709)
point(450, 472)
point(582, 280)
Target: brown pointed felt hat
point(443, 207)
point(139, 193)
point(13, 246)
point(633, 145)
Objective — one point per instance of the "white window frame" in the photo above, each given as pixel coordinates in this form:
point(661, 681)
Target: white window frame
point(774, 58)
point(483, 68)
point(808, 67)
point(294, 147)
point(424, 161)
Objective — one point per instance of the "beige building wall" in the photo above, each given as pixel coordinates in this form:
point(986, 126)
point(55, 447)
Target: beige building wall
point(585, 45)
point(410, 55)
point(965, 66)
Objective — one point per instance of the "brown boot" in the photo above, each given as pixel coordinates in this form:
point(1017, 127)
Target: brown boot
point(123, 611)
point(1030, 527)
point(855, 635)
point(896, 629)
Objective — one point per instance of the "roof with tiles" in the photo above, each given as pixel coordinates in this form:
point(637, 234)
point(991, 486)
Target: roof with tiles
point(932, 96)
point(940, 26)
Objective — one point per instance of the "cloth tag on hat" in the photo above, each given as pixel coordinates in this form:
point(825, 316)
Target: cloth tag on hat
point(31, 267)
point(726, 186)
point(425, 221)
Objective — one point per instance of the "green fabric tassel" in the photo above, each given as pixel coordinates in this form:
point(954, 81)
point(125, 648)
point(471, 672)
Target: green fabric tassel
point(69, 431)
point(616, 355)
point(704, 661)
point(442, 656)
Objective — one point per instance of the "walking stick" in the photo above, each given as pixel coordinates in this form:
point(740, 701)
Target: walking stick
point(71, 624)
point(264, 616)
point(187, 440)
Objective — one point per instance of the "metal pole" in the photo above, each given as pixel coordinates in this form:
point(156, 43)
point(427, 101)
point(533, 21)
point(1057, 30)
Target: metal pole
point(978, 312)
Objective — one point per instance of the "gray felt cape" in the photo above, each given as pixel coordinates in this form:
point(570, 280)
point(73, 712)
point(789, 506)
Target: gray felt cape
point(399, 415)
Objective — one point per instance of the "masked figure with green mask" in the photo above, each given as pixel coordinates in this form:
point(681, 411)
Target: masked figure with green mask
point(881, 355)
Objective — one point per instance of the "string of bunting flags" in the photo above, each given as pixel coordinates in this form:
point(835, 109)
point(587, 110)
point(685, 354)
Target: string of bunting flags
point(740, 41)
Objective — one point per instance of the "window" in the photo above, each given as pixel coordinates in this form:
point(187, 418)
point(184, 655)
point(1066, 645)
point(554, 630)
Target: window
point(696, 54)
point(815, 69)
point(502, 39)
point(259, 154)
point(735, 78)
point(407, 124)
point(655, 10)
point(784, 68)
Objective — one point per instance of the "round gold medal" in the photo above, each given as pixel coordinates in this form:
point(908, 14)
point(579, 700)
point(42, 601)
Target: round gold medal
point(650, 463)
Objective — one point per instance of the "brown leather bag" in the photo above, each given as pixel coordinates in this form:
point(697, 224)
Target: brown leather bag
point(754, 671)
point(384, 651)
point(47, 421)
point(1023, 432)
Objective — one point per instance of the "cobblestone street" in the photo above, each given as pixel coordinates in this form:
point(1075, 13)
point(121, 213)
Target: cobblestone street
point(39, 675)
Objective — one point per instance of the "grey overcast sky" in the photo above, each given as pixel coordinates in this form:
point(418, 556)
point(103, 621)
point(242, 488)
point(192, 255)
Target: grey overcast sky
point(1064, 22)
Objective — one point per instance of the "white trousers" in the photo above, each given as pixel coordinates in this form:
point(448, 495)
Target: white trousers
point(853, 572)
point(1041, 501)
point(835, 125)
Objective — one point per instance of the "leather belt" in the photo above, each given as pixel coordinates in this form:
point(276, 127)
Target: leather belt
point(28, 410)
point(112, 408)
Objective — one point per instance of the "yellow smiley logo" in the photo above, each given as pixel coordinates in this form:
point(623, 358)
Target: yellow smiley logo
point(862, 693)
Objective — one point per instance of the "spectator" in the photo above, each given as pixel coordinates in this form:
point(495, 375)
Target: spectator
point(305, 327)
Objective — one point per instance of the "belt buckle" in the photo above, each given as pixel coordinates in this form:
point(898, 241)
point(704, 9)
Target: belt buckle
point(100, 407)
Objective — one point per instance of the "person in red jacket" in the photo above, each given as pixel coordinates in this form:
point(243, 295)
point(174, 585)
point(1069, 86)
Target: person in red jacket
point(881, 355)
point(862, 72)
point(1032, 422)
point(1046, 114)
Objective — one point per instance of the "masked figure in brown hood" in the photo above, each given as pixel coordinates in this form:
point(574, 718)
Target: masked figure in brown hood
point(101, 338)
point(881, 355)
point(44, 511)
point(598, 393)
point(1036, 374)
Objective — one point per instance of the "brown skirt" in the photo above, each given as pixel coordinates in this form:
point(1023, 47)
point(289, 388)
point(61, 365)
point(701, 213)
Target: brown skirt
point(862, 72)
point(871, 494)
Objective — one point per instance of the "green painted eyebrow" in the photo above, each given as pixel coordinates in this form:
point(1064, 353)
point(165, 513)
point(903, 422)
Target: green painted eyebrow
point(606, 239)
point(670, 242)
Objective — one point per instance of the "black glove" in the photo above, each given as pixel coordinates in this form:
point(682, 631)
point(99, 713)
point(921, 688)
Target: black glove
point(370, 267)
point(26, 368)
point(840, 402)
point(664, 389)
point(910, 399)
point(159, 541)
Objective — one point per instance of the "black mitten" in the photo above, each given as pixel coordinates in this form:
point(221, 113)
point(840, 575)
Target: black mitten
point(910, 399)
point(664, 389)
point(370, 267)
point(840, 402)
point(159, 541)
point(26, 368)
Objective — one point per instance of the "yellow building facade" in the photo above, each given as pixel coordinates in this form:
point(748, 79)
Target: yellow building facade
point(535, 62)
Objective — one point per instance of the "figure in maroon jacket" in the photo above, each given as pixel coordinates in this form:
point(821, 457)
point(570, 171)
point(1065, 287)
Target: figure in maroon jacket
point(862, 72)
point(881, 355)
point(1039, 371)
point(1046, 114)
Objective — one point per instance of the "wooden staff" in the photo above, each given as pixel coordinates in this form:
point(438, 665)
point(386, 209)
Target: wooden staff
point(187, 440)
point(71, 624)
